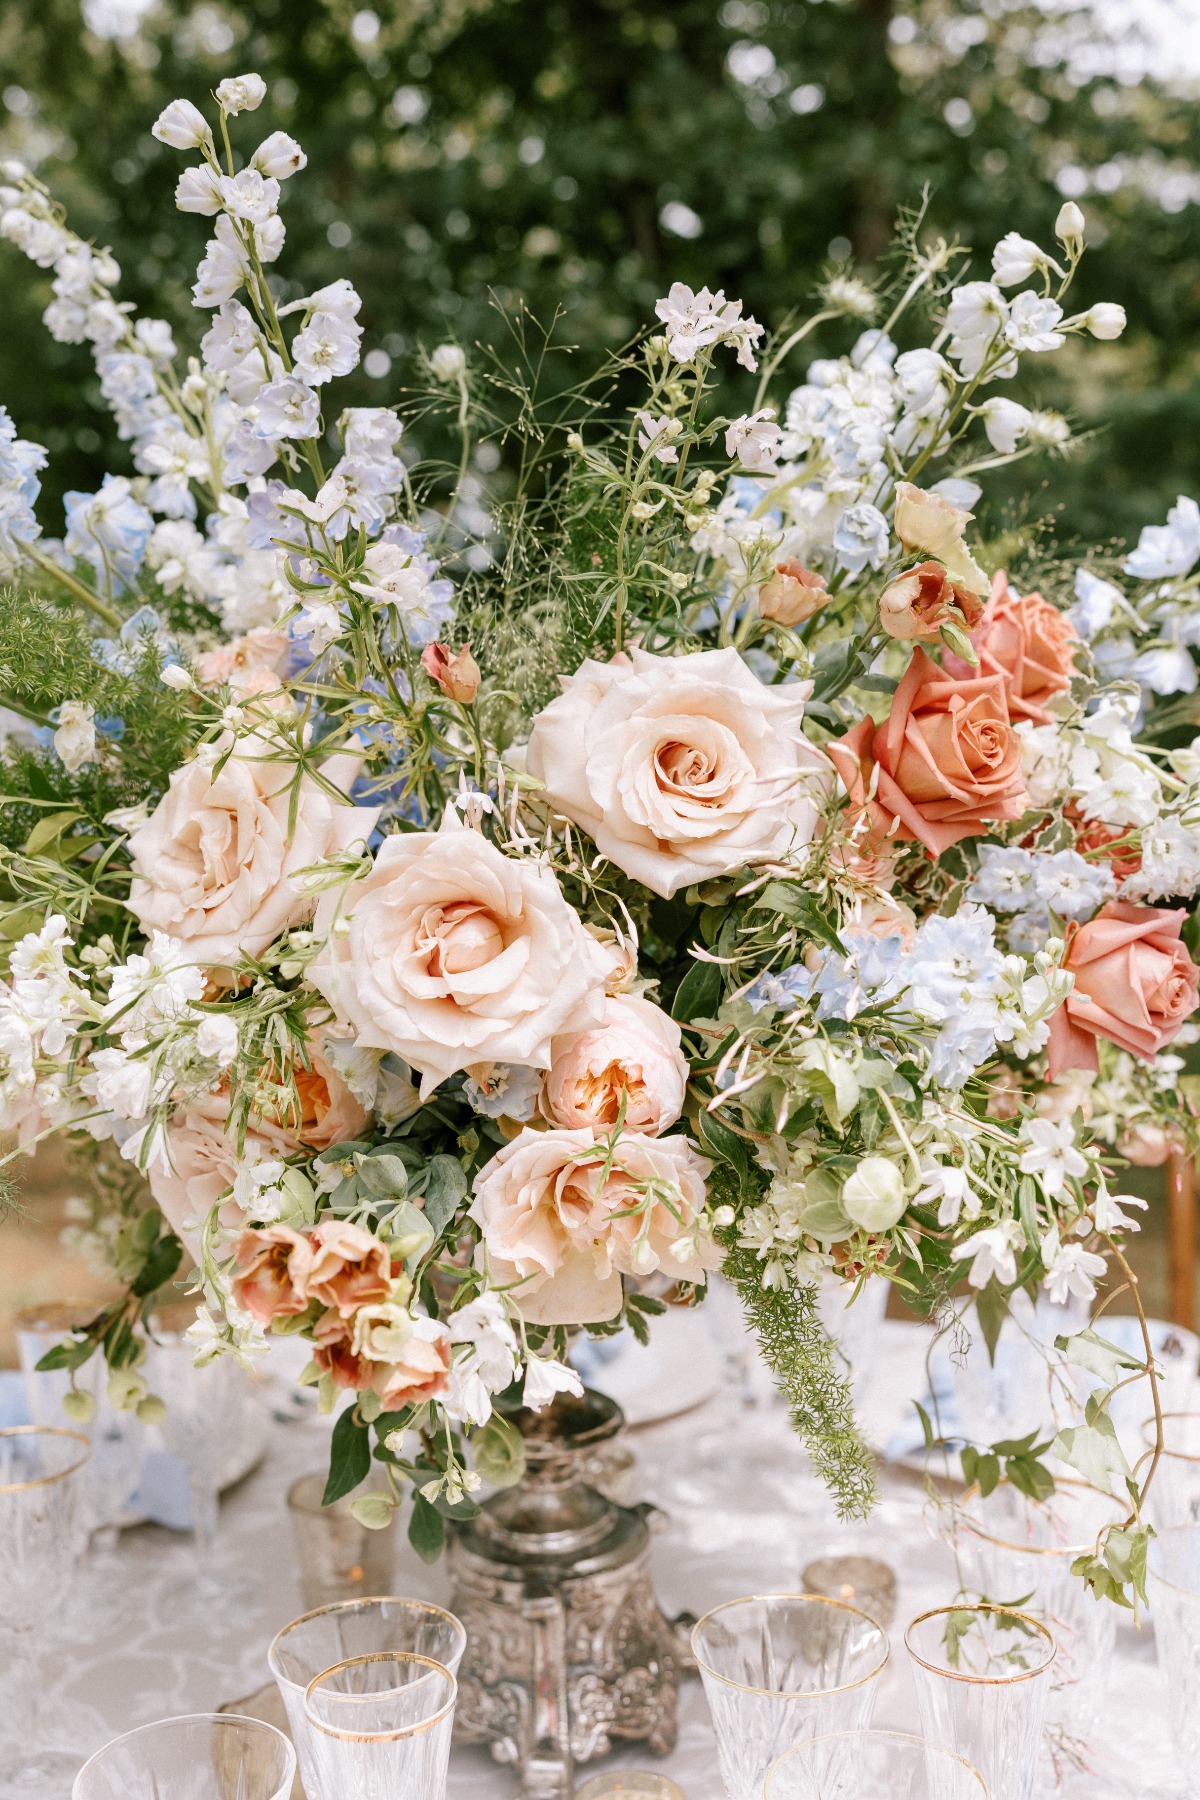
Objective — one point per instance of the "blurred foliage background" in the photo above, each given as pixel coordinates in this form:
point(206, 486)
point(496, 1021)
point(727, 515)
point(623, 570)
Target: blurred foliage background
point(580, 154)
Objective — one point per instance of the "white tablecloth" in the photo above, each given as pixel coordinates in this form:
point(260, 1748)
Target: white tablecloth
point(744, 1513)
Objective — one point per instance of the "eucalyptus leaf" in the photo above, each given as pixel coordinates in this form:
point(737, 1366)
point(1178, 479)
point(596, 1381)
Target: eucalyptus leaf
point(498, 1451)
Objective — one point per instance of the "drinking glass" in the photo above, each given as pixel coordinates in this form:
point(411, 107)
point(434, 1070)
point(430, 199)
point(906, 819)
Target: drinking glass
point(873, 1765)
point(202, 1756)
point(379, 1727)
point(43, 1528)
point(779, 1668)
point(1012, 1548)
point(1174, 1497)
point(354, 1628)
point(982, 1675)
point(339, 1558)
point(117, 1439)
point(1174, 1588)
point(204, 1413)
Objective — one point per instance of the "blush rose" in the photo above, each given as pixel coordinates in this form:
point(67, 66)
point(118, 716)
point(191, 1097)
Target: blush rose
point(679, 767)
point(635, 1055)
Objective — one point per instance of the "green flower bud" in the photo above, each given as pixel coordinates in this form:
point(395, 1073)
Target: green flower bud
point(374, 1511)
point(80, 1407)
point(874, 1195)
point(151, 1410)
point(126, 1388)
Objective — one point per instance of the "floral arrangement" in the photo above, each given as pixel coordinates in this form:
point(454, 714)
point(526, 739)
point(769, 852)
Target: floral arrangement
point(484, 894)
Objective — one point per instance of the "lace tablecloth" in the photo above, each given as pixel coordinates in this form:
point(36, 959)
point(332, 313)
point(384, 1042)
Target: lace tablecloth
point(744, 1515)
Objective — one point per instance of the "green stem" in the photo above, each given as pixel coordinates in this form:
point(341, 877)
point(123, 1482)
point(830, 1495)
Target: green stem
point(80, 589)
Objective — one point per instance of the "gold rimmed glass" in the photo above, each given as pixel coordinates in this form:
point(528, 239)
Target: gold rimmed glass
point(1174, 1497)
point(982, 1675)
point(117, 1439)
point(339, 1558)
point(1011, 1547)
point(352, 1628)
point(43, 1528)
point(873, 1765)
point(780, 1668)
point(1173, 1565)
point(201, 1756)
point(380, 1727)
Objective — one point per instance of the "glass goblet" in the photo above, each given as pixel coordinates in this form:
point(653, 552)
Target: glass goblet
point(201, 1756)
point(982, 1676)
point(873, 1765)
point(1174, 1496)
point(204, 1413)
point(380, 1727)
point(779, 1668)
point(339, 1558)
point(117, 1439)
point(354, 1628)
point(43, 1529)
point(1173, 1564)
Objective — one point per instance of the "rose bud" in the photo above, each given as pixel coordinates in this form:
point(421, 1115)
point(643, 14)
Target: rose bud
point(457, 675)
point(792, 595)
point(918, 603)
point(1146, 1144)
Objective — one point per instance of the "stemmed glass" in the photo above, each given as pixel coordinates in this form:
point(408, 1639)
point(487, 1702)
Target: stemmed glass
point(197, 1757)
point(873, 1765)
point(204, 1413)
point(779, 1668)
point(1173, 1563)
point(982, 1675)
point(354, 1628)
point(1174, 1497)
point(380, 1727)
point(117, 1439)
point(43, 1528)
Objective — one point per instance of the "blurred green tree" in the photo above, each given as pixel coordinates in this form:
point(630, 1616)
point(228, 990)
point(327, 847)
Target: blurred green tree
point(579, 154)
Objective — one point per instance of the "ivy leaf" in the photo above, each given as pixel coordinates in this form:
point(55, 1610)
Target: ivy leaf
point(1093, 1451)
point(1088, 1350)
point(1029, 1476)
point(349, 1457)
point(699, 993)
point(426, 1529)
point(987, 1473)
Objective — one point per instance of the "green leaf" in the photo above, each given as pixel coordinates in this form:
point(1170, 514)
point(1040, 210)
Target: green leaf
point(1088, 1350)
point(46, 830)
point(384, 1177)
point(699, 993)
point(991, 1308)
point(426, 1529)
point(1029, 1476)
point(159, 1266)
point(1093, 1451)
point(1125, 1556)
point(445, 1192)
point(71, 1354)
point(968, 1456)
point(987, 1473)
point(927, 1427)
point(720, 1141)
point(498, 1452)
point(349, 1457)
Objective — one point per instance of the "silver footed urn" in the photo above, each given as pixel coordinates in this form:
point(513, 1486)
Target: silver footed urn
point(567, 1649)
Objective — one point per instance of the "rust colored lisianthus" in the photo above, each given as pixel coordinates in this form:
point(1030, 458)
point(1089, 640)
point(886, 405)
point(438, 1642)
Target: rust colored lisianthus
point(918, 603)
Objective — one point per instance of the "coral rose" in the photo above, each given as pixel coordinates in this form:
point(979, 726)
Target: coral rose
point(328, 1111)
point(942, 766)
point(636, 1055)
point(457, 955)
point(273, 1266)
point(918, 603)
point(349, 1267)
point(1027, 641)
point(215, 864)
point(335, 1355)
point(680, 767)
point(562, 1230)
point(1135, 984)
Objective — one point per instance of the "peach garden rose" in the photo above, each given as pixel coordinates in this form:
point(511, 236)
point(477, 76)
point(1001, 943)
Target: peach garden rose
point(679, 767)
point(451, 954)
point(1135, 984)
point(1026, 641)
point(635, 1055)
point(563, 1228)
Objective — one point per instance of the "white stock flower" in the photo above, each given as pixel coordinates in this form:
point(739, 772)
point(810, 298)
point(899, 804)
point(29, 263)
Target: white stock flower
point(448, 362)
point(544, 1379)
point(198, 190)
point(241, 93)
point(1005, 423)
point(321, 623)
point(1170, 549)
point(1095, 603)
point(1031, 323)
point(249, 196)
point(1105, 320)
point(217, 1036)
point(327, 346)
point(655, 435)
point(287, 408)
point(75, 738)
point(861, 539)
point(182, 126)
point(279, 156)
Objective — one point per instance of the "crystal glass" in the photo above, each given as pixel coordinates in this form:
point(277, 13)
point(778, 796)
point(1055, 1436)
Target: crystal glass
point(379, 1727)
point(629, 1784)
point(339, 1558)
point(1027, 1385)
point(1174, 1497)
point(43, 1528)
point(202, 1756)
point(354, 1628)
point(204, 1410)
point(982, 1676)
point(117, 1439)
point(861, 1581)
point(778, 1668)
point(1012, 1548)
point(1174, 1590)
point(873, 1765)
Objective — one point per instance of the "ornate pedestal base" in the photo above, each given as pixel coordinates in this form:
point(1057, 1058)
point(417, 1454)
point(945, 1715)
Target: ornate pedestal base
point(566, 1647)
